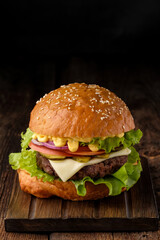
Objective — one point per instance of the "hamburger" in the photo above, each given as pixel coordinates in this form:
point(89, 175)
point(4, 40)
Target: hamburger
point(79, 145)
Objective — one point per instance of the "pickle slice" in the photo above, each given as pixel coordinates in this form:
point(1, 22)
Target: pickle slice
point(103, 155)
point(81, 159)
point(53, 156)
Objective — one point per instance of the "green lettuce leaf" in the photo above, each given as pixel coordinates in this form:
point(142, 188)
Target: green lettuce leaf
point(26, 159)
point(111, 143)
point(132, 137)
point(112, 183)
point(26, 138)
point(126, 176)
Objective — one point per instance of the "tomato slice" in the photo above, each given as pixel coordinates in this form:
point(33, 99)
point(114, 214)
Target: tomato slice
point(48, 151)
point(84, 151)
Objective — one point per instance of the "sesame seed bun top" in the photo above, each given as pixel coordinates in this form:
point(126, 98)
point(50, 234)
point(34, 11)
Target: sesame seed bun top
point(82, 111)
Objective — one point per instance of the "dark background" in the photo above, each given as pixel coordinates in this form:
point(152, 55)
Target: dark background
point(97, 35)
point(115, 28)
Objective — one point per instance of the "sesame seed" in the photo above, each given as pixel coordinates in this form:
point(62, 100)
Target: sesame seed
point(103, 118)
point(98, 110)
point(45, 95)
point(92, 86)
point(93, 99)
point(39, 100)
point(104, 101)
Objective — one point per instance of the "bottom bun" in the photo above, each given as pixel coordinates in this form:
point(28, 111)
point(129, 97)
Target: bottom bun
point(61, 189)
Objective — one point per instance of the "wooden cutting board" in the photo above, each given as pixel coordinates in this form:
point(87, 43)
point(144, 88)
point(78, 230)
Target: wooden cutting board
point(135, 210)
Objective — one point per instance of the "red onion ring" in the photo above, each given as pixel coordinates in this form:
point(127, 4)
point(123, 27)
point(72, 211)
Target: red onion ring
point(49, 144)
point(36, 142)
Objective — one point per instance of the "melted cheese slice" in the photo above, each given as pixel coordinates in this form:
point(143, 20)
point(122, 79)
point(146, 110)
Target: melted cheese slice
point(68, 167)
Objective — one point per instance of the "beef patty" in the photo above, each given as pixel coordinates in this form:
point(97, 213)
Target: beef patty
point(98, 170)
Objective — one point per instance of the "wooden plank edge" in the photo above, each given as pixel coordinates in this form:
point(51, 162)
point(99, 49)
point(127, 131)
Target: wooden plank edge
point(77, 225)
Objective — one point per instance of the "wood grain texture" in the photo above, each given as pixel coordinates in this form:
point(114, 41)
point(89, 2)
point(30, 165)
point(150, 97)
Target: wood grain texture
point(78, 209)
point(135, 210)
point(19, 206)
point(106, 236)
point(113, 207)
point(24, 82)
point(48, 207)
point(79, 236)
point(138, 207)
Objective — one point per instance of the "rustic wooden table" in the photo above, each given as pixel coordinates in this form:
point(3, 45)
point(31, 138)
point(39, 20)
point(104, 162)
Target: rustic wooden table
point(22, 83)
